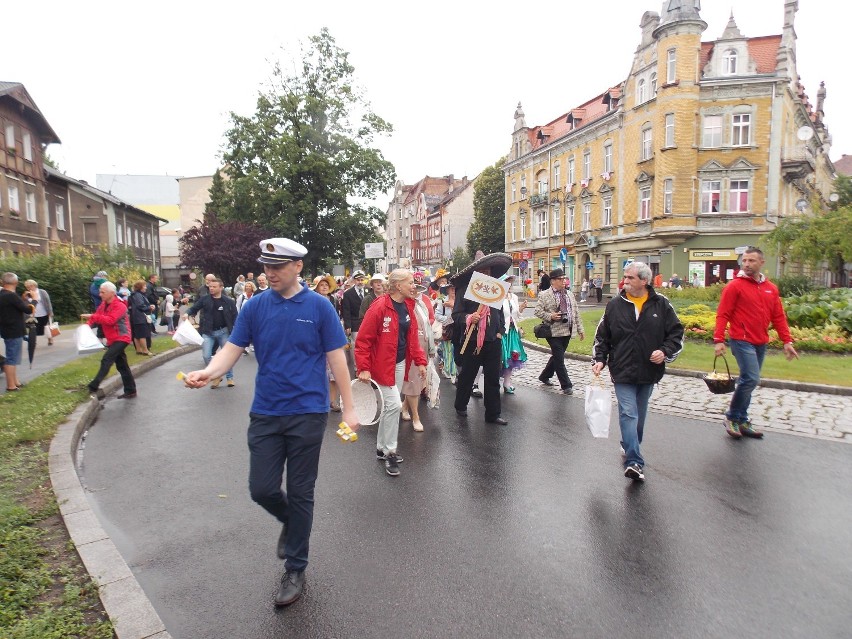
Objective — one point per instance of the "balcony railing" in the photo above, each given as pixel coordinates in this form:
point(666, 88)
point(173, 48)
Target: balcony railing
point(538, 200)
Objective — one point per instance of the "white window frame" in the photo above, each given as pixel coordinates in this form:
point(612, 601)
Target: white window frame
point(119, 233)
point(14, 201)
point(30, 205)
point(670, 130)
point(59, 210)
point(541, 184)
point(514, 234)
point(736, 189)
point(708, 189)
point(571, 171)
point(587, 216)
point(523, 228)
point(607, 158)
point(668, 196)
point(652, 85)
point(128, 236)
point(28, 146)
point(729, 62)
point(541, 221)
point(514, 191)
point(569, 218)
point(641, 95)
point(10, 136)
point(647, 151)
point(557, 175)
point(557, 222)
point(711, 131)
point(645, 203)
point(607, 211)
point(740, 129)
point(587, 164)
point(671, 66)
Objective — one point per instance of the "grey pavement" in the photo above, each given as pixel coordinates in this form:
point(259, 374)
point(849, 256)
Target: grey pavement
point(527, 530)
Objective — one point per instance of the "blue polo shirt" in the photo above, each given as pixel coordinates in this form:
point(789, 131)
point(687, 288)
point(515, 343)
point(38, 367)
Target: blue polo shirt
point(291, 338)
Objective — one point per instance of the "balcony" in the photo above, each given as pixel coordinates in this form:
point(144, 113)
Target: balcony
point(538, 200)
point(797, 163)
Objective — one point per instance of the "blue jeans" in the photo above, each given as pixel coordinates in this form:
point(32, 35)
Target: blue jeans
point(632, 409)
point(750, 360)
point(218, 339)
point(290, 442)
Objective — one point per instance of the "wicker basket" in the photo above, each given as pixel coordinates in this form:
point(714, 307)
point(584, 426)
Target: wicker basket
point(720, 383)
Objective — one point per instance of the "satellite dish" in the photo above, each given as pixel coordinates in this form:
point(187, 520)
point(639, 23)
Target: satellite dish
point(834, 197)
point(805, 133)
point(802, 204)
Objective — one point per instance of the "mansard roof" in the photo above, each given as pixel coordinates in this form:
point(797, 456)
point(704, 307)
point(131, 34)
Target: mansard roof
point(763, 50)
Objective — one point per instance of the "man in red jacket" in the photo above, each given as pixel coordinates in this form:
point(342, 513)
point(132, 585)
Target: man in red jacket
point(112, 317)
point(749, 304)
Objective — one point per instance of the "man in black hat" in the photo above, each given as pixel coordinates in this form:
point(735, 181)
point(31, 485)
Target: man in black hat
point(466, 313)
point(350, 306)
point(557, 307)
point(289, 414)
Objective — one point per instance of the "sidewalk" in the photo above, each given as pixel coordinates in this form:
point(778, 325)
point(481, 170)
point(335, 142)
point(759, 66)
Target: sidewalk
point(773, 409)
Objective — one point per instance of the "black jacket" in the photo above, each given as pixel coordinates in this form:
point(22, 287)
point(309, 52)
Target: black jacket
point(350, 308)
point(139, 307)
point(625, 343)
point(206, 305)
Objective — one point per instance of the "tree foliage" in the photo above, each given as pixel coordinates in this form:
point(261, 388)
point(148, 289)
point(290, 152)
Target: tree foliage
point(816, 238)
point(224, 248)
point(487, 233)
point(299, 161)
point(843, 188)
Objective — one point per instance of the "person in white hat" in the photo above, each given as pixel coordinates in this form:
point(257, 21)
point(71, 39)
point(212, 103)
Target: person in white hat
point(289, 414)
point(378, 285)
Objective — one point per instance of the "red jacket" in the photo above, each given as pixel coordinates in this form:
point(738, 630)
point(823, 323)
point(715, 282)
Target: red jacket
point(749, 307)
point(375, 348)
point(114, 320)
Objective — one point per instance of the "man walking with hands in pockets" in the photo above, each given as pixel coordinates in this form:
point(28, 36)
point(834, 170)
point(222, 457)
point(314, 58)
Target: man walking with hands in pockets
point(290, 410)
point(749, 304)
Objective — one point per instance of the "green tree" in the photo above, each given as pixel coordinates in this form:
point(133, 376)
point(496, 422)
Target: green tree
point(487, 233)
point(843, 188)
point(226, 249)
point(301, 161)
point(816, 238)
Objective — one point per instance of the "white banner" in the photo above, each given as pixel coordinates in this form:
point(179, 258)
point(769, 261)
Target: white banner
point(374, 250)
point(487, 290)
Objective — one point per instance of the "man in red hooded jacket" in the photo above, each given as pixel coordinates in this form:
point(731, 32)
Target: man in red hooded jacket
point(387, 343)
point(112, 317)
point(749, 304)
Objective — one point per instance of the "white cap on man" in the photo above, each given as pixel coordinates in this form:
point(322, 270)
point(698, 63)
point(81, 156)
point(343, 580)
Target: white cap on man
point(280, 250)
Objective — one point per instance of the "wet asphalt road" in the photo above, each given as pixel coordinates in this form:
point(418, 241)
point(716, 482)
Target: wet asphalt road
point(526, 530)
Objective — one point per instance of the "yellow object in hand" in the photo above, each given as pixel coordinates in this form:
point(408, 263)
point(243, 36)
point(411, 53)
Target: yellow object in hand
point(346, 434)
point(181, 376)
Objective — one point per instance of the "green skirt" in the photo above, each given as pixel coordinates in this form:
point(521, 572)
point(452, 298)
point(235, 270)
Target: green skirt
point(514, 354)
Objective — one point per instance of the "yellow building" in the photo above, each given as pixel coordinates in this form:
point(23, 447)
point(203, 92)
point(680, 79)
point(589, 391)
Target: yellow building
point(697, 153)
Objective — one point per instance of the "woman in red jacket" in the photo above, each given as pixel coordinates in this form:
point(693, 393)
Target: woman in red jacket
point(386, 346)
point(113, 319)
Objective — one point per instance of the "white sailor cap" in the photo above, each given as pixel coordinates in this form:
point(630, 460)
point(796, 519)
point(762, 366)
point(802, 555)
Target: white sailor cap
point(280, 250)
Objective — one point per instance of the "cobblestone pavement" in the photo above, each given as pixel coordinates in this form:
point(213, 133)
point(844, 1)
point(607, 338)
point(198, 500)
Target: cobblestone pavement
point(772, 409)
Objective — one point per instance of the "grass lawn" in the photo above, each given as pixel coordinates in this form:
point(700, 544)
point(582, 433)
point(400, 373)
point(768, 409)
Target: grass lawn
point(813, 368)
point(44, 588)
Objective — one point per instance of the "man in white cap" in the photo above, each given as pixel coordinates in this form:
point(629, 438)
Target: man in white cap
point(290, 410)
point(377, 289)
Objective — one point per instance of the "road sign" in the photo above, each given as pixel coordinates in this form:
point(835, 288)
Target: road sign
point(563, 254)
point(590, 265)
point(523, 265)
point(627, 262)
point(374, 250)
point(740, 250)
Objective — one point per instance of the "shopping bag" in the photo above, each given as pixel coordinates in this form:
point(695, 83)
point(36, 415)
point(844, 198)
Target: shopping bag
point(87, 341)
point(53, 327)
point(598, 407)
point(433, 386)
point(186, 334)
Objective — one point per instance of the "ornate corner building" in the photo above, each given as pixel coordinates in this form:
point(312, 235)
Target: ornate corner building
point(699, 151)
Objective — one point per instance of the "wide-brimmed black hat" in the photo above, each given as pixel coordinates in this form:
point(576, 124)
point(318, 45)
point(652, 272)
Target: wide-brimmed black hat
point(499, 263)
point(556, 273)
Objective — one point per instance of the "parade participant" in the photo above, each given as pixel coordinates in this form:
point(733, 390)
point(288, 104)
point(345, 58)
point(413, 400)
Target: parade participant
point(325, 285)
point(13, 308)
point(218, 314)
point(262, 284)
point(484, 347)
point(289, 413)
point(239, 286)
point(113, 318)
point(557, 307)
point(351, 305)
point(543, 281)
point(388, 347)
point(414, 385)
point(638, 333)
point(444, 314)
point(377, 289)
point(514, 355)
point(749, 304)
point(245, 296)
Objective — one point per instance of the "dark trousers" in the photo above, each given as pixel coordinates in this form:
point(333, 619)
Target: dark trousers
point(115, 355)
point(556, 363)
point(489, 358)
point(294, 441)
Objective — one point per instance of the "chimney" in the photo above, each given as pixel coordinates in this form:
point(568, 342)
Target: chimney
point(450, 181)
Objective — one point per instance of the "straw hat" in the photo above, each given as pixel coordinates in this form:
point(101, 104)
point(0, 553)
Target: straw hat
point(332, 284)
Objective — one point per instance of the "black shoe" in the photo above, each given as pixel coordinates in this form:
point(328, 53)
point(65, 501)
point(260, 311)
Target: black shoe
point(292, 584)
point(568, 391)
point(461, 413)
point(128, 395)
point(391, 465)
point(476, 392)
point(282, 541)
point(382, 457)
point(497, 420)
point(546, 382)
point(634, 472)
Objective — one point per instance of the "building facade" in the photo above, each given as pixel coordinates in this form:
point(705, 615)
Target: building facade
point(695, 155)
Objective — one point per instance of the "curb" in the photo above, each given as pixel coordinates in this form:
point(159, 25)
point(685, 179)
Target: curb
point(132, 614)
point(766, 383)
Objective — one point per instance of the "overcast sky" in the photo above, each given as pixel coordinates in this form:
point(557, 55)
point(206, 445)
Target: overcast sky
point(147, 88)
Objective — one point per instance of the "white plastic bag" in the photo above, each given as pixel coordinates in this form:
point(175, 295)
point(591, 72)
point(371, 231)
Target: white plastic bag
point(433, 386)
point(86, 339)
point(598, 408)
point(186, 334)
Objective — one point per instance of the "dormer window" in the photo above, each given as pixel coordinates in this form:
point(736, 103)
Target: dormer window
point(729, 62)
